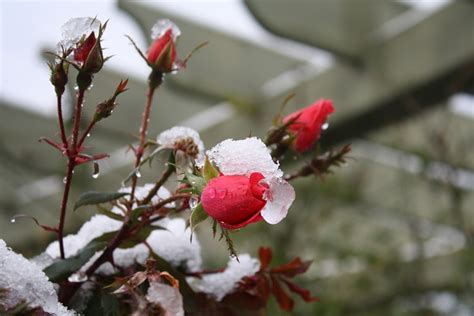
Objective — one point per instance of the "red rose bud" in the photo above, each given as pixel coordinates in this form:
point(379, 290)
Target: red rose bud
point(308, 123)
point(235, 201)
point(89, 54)
point(162, 52)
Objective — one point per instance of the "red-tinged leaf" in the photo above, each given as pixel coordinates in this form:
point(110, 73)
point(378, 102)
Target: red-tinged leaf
point(304, 293)
point(292, 268)
point(132, 283)
point(265, 255)
point(46, 228)
point(284, 300)
point(263, 287)
point(244, 300)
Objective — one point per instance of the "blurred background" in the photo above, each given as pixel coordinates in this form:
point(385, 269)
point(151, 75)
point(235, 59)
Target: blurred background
point(391, 232)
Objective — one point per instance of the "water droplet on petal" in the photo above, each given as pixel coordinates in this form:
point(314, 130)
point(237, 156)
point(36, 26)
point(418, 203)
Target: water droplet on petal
point(193, 202)
point(211, 193)
point(222, 193)
point(325, 126)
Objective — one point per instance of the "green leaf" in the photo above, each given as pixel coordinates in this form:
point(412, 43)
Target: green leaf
point(61, 270)
point(109, 213)
point(197, 183)
point(209, 171)
point(94, 197)
point(197, 216)
point(139, 237)
point(137, 212)
point(110, 305)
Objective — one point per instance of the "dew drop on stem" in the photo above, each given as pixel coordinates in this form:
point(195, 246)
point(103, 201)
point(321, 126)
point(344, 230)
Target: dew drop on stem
point(64, 180)
point(96, 172)
point(13, 220)
point(138, 174)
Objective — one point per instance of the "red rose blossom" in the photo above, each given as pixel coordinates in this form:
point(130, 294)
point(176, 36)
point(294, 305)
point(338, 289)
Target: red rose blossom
point(235, 201)
point(162, 52)
point(308, 123)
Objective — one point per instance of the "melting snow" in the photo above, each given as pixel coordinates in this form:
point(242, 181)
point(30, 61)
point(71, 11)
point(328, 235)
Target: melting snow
point(168, 297)
point(74, 29)
point(163, 25)
point(242, 157)
point(220, 284)
point(26, 282)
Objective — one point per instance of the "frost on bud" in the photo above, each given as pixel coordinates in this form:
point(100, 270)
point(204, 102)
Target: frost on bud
point(162, 51)
point(58, 77)
point(105, 109)
point(83, 37)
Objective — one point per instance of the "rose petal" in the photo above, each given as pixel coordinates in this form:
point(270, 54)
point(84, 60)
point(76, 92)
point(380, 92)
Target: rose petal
point(279, 197)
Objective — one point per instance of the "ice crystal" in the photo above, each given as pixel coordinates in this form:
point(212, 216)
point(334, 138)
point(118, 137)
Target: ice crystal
point(74, 29)
point(163, 25)
point(242, 157)
point(279, 196)
point(168, 297)
point(220, 284)
point(25, 282)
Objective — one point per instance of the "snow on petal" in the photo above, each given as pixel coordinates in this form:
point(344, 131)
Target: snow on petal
point(25, 282)
point(163, 25)
point(279, 196)
point(74, 29)
point(220, 284)
point(243, 157)
point(168, 297)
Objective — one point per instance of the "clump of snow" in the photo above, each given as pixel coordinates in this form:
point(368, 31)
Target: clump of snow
point(220, 284)
point(171, 243)
point(243, 157)
point(168, 297)
point(169, 137)
point(163, 25)
point(25, 282)
point(74, 29)
point(279, 196)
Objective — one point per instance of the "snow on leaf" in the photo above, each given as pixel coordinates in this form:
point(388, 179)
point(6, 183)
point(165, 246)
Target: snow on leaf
point(26, 282)
point(220, 284)
point(168, 297)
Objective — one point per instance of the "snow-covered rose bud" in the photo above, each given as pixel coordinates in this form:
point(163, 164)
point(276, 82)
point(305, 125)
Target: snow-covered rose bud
point(162, 51)
point(250, 187)
point(307, 123)
point(235, 201)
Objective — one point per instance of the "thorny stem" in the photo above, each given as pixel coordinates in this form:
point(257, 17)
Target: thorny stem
point(143, 134)
point(83, 138)
point(107, 255)
point(164, 177)
point(71, 164)
point(61, 121)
